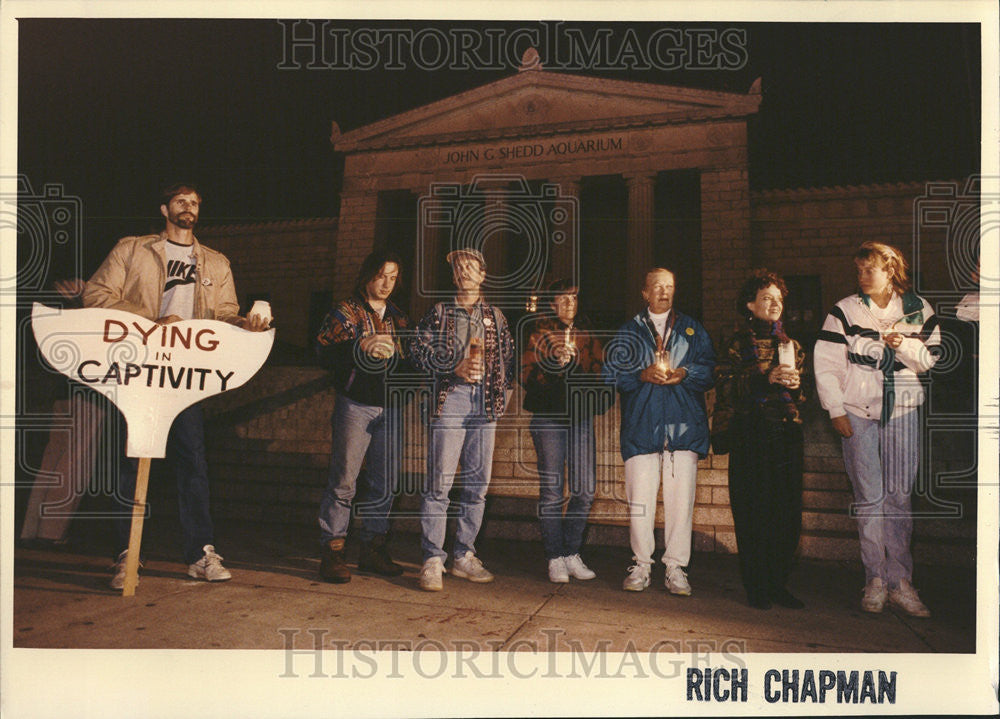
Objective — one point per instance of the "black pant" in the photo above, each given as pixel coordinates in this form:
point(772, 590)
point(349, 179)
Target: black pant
point(186, 447)
point(765, 493)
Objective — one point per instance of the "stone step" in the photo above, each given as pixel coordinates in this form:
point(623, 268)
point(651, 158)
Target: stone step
point(841, 523)
point(839, 545)
point(823, 509)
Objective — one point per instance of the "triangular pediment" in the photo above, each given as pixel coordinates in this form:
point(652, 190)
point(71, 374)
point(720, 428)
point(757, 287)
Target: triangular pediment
point(545, 102)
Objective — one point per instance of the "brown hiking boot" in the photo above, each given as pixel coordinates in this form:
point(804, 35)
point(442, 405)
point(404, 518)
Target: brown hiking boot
point(332, 567)
point(375, 559)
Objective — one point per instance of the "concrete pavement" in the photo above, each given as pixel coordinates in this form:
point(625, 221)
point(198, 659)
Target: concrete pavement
point(275, 600)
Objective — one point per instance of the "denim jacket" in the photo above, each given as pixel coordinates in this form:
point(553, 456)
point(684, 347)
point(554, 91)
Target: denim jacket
point(436, 349)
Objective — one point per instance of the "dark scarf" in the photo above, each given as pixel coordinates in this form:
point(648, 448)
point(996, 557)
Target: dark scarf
point(762, 331)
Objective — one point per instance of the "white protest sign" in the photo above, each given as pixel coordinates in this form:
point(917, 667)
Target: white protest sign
point(150, 371)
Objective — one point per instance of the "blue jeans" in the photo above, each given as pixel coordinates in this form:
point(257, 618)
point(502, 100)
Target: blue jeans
point(461, 433)
point(882, 465)
point(186, 448)
point(361, 433)
point(558, 442)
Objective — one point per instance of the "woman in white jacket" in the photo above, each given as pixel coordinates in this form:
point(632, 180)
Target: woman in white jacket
point(868, 356)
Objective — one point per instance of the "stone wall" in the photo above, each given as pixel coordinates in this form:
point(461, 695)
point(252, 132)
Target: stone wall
point(815, 231)
point(285, 261)
point(726, 214)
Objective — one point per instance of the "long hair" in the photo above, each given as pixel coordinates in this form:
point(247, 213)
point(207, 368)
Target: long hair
point(371, 266)
point(891, 259)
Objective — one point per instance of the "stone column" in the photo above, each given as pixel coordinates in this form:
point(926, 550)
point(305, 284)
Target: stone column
point(639, 253)
point(564, 241)
point(493, 238)
point(355, 235)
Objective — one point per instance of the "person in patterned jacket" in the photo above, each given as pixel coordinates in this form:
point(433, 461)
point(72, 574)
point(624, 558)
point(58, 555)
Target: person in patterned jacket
point(466, 346)
point(758, 390)
point(359, 341)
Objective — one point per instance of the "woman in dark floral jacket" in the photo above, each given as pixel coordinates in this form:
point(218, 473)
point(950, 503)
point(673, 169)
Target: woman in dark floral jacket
point(756, 418)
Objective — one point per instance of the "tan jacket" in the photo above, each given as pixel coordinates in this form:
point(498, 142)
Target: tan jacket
point(132, 277)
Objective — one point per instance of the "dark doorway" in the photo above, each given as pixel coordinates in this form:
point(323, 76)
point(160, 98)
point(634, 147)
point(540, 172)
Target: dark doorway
point(677, 235)
point(603, 241)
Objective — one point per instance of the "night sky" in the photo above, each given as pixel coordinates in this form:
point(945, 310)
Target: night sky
point(113, 109)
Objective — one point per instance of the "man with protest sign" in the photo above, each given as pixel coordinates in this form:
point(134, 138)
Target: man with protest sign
point(168, 278)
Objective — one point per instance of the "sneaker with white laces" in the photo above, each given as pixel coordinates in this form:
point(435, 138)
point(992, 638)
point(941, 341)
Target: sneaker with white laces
point(430, 574)
point(905, 597)
point(557, 571)
point(577, 569)
point(875, 595)
point(676, 582)
point(209, 567)
point(637, 579)
point(471, 568)
point(118, 580)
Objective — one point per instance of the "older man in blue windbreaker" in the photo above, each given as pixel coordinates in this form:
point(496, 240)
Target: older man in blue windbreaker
point(661, 362)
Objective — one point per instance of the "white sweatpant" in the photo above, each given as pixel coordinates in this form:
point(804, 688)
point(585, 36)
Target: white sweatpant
point(643, 475)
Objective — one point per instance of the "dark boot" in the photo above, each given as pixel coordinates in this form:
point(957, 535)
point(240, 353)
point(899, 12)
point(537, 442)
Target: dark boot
point(375, 559)
point(783, 598)
point(332, 567)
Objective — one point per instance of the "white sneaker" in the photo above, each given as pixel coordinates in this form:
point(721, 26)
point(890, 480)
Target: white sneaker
point(118, 580)
point(430, 575)
point(676, 582)
point(557, 571)
point(469, 567)
point(577, 569)
point(905, 597)
point(637, 579)
point(875, 595)
point(209, 567)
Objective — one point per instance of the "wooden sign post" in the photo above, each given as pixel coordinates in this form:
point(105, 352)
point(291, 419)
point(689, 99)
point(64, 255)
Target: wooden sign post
point(151, 372)
point(135, 531)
